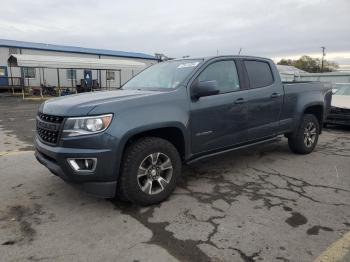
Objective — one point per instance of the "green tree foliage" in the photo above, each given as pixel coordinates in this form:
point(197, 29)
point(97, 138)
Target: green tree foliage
point(309, 64)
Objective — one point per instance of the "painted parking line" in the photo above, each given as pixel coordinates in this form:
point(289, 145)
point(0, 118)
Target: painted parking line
point(337, 251)
point(11, 153)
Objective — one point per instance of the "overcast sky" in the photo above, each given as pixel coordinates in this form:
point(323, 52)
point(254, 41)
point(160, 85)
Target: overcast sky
point(272, 28)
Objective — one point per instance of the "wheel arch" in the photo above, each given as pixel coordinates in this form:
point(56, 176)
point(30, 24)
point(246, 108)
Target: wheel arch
point(175, 133)
point(317, 110)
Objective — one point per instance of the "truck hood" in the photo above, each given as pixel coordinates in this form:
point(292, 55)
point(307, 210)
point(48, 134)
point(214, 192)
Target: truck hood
point(341, 101)
point(82, 104)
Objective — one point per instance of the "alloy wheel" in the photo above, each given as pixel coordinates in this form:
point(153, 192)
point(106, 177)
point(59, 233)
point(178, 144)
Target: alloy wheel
point(154, 173)
point(310, 133)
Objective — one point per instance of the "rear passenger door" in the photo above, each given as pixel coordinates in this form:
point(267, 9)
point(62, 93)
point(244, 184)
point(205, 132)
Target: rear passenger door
point(265, 99)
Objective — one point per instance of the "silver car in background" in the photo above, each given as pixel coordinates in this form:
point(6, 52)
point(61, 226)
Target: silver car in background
point(340, 106)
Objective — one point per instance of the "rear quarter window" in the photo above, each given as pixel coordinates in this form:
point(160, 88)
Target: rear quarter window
point(259, 73)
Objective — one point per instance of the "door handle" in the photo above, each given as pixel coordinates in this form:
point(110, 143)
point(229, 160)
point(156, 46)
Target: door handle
point(240, 101)
point(274, 95)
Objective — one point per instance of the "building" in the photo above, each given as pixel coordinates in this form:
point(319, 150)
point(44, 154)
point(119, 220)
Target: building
point(291, 73)
point(30, 64)
point(332, 77)
point(344, 68)
point(288, 73)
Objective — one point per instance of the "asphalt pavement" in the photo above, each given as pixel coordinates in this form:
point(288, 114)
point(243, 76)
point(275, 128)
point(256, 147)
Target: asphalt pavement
point(259, 204)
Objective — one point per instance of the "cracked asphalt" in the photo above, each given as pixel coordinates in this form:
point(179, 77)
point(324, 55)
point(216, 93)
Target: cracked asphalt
point(257, 204)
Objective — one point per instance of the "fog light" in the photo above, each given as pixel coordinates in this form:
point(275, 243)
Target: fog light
point(82, 164)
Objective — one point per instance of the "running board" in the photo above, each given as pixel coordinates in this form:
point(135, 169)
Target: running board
point(273, 139)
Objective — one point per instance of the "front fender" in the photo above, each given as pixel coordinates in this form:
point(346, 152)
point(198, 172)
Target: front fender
point(124, 138)
point(182, 128)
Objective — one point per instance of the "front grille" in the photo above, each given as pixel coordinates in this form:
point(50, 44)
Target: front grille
point(50, 118)
point(48, 128)
point(48, 136)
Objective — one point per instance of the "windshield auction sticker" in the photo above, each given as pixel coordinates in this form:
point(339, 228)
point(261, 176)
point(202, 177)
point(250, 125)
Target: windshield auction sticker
point(193, 64)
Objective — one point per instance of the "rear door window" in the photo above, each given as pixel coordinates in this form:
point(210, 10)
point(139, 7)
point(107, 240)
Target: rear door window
point(259, 73)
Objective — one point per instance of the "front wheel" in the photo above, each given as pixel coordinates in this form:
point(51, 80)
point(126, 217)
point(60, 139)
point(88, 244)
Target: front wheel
point(150, 170)
point(304, 140)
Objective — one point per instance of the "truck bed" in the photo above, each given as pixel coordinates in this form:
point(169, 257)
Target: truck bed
point(299, 95)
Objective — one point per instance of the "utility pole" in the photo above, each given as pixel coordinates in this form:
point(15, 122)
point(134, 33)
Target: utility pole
point(217, 52)
point(323, 55)
point(240, 50)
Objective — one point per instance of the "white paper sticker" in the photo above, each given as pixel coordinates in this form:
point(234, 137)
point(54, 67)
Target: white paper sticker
point(192, 64)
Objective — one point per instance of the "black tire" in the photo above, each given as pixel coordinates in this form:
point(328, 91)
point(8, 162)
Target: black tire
point(299, 142)
point(135, 156)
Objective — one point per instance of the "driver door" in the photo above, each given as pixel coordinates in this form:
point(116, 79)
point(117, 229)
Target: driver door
point(221, 120)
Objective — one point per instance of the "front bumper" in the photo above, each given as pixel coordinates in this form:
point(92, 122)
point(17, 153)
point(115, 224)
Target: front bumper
point(101, 182)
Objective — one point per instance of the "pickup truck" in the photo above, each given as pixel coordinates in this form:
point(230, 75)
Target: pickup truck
point(132, 142)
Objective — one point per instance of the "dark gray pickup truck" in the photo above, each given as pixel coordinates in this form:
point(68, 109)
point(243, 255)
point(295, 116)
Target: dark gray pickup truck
point(132, 142)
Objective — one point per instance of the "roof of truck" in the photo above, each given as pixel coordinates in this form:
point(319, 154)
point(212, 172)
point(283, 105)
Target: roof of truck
point(223, 56)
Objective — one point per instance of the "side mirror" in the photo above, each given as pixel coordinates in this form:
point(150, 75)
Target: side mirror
point(204, 88)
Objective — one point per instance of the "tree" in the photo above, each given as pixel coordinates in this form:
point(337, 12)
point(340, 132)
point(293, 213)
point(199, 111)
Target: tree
point(309, 64)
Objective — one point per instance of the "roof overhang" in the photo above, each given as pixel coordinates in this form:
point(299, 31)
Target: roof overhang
point(73, 49)
point(72, 62)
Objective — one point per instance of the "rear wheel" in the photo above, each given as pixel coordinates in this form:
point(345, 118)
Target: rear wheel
point(150, 170)
point(304, 140)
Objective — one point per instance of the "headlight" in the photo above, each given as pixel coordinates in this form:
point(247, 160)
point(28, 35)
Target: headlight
point(77, 126)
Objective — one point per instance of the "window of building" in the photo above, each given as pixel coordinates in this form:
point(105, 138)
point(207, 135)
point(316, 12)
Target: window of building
point(2, 72)
point(71, 74)
point(29, 72)
point(225, 74)
point(259, 73)
point(13, 50)
point(110, 75)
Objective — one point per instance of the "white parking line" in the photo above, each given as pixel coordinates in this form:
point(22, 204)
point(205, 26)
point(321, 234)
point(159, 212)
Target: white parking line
point(11, 153)
point(337, 251)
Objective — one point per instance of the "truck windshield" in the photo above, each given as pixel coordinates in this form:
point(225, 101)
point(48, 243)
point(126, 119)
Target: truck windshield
point(164, 75)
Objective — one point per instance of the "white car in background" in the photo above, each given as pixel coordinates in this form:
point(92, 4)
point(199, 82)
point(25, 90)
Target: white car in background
point(340, 107)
